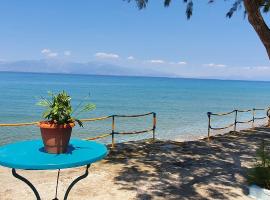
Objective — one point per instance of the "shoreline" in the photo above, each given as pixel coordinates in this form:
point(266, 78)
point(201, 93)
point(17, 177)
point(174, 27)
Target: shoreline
point(163, 169)
point(243, 127)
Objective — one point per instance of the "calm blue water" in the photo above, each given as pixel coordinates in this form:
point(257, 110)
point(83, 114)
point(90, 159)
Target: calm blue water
point(181, 104)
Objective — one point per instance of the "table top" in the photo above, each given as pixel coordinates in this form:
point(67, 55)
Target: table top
point(31, 155)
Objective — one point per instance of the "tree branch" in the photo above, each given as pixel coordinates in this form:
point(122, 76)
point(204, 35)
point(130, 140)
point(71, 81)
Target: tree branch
point(256, 20)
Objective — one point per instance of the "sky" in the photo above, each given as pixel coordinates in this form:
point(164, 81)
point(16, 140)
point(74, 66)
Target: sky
point(116, 32)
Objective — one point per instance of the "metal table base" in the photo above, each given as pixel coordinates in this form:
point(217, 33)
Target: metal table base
point(16, 175)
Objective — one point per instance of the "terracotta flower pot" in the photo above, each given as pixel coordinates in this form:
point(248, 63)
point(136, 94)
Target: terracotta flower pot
point(55, 137)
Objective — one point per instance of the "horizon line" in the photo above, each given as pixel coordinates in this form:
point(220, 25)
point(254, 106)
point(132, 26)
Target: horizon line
point(134, 76)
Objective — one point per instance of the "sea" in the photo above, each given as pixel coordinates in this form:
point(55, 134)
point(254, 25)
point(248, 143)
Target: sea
point(181, 104)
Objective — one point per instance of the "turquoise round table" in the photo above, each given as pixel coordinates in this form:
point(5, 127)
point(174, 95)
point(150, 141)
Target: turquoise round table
point(30, 155)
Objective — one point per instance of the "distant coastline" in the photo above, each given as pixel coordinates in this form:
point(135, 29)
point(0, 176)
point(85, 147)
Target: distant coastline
point(105, 68)
point(136, 76)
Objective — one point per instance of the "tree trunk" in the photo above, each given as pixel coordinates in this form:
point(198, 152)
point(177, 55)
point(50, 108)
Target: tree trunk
point(256, 20)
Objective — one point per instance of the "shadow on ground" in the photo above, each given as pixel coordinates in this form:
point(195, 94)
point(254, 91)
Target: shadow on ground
point(189, 170)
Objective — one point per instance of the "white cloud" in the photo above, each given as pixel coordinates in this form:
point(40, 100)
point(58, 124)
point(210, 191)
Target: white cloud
point(130, 58)
point(160, 61)
point(261, 67)
point(178, 63)
point(49, 53)
point(214, 65)
point(52, 54)
point(255, 68)
point(67, 53)
point(45, 51)
point(156, 61)
point(103, 55)
point(182, 63)
point(221, 65)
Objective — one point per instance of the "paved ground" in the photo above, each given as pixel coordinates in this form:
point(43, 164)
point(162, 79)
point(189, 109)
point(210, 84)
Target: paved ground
point(160, 170)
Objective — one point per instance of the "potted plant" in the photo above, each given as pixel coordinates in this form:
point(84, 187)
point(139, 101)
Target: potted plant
point(259, 175)
point(60, 120)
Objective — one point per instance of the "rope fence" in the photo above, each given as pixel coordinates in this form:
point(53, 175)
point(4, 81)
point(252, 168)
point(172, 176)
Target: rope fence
point(113, 131)
point(236, 120)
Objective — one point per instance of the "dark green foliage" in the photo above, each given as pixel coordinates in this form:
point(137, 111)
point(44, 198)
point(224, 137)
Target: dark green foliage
point(260, 173)
point(143, 3)
point(266, 6)
point(59, 109)
point(237, 4)
point(140, 3)
point(260, 176)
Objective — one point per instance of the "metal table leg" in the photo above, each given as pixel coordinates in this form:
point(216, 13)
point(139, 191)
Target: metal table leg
point(76, 181)
point(14, 173)
point(27, 182)
point(56, 188)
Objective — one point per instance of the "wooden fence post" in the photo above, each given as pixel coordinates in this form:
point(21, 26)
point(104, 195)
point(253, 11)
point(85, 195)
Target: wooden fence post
point(154, 125)
point(235, 120)
point(268, 115)
point(253, 118)
point(113, 129)
point(209, 125)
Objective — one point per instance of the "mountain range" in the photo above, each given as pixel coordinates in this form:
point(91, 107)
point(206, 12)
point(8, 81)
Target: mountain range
point(93, 67)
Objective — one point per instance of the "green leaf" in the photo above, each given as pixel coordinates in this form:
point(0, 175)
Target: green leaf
point(89, 107)
point(79, 122)
point(46, 114)
point(43, 103)
point(60, 109)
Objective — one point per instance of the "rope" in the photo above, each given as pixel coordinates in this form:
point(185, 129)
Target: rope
point(20, 124)
point(95, 119)
point(236, 122)
point(98, 137)
point(259, 118)
point(83, 120)
point(134, 132)
point(242, 122)
point(261, 108)
point(221, 114)
point(227, 113)
point(222, 127)
point(134, 115)
point(249, 110)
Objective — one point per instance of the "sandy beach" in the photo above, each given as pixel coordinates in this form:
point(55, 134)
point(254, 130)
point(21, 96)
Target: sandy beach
point(160, 170)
